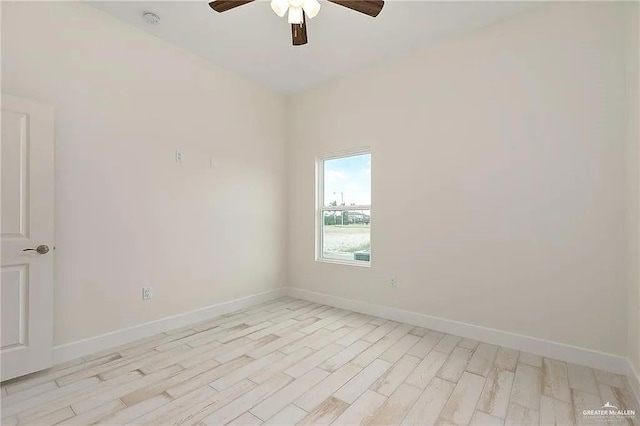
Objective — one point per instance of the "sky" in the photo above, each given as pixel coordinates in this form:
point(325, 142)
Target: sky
point(349, 175)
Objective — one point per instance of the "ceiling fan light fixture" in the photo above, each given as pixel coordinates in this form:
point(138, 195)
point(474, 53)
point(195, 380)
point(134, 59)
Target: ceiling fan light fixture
point(311, 7)
point(280, 7)
point(295, 15)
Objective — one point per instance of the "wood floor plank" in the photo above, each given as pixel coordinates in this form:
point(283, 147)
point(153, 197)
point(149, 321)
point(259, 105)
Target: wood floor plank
point(208, 338)
point(618, 397)
point(426, 344)
point(332, 312)
point(334, 317)
point(116, 392)
point(378, 321)
point(323, 390)
point(285, 396)
point(368, 376)
point(195, 414)
point(226, 353)
point(133, 411)
point(35, 379)
point(611, 379)
point(344, 356)
point(396, 407)
point(269, 330)
point(468, 344)
point(427, 369)
point(289, 415)
point(356, 335)
point(400, 331)
point(209, 376)
point(343, 321)
point(462, 403)
point(395, 352)
point(245, 371)
point(482, 359)
point(37, 405)
point(373, 352)
point(247, 419)
point(313, 361)
point(455, 365)
point(555, 412)
point(555, 380)
point(483, 419)
point(137, 346)
point(95, 414)
point(584, 401)
point(201, 354)
point(305, 341)
point(219, 321)
point(325, 412)
point(98, 369)
point(275, 345)
point(244, 332)
point(168, 342)
point(313, 313)
point(427, 408)
point(582, 378)
point(274, 369)
point(361, 410)
point(245, 402)
point(330, 338)
point(506, 359)
point(527, 386)
point(296, 327)
point(381, 332)
point(447, 343)
point(494, 399)
point(48, 419)
point(419, 331)
point(28, 393)
point(397, 374)
point(530, 359)
point(517, 415)
point(187, 405)
point(157, 358)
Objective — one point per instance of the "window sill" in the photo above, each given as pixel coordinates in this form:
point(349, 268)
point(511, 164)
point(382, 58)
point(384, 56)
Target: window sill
point(345, 262)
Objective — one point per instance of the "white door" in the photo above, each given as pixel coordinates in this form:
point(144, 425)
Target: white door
point(27, 223)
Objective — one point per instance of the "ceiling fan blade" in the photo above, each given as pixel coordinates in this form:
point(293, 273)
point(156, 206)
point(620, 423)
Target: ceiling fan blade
point(224, 5)
point(299, 32)
point(368, 7)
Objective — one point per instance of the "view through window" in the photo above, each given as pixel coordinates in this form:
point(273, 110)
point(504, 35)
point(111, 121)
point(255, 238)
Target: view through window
point(345, 212)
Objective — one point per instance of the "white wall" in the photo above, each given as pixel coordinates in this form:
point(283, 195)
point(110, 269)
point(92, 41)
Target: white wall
point(499, 182)
point(126, 214)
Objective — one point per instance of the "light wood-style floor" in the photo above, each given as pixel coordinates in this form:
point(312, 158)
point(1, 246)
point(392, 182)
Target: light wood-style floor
point(295, 362)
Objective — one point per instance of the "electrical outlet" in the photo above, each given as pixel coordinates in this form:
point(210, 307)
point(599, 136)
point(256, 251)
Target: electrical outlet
point(147, 293)
point(179, 157)
point(393, 283)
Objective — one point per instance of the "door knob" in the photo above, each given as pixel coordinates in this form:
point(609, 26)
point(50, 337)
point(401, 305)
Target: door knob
point(41, 249)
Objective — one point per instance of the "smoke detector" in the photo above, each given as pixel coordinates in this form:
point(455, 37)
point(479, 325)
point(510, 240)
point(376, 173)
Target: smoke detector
point(151, 18)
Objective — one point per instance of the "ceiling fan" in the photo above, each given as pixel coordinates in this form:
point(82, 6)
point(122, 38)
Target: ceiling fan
point(299, 10)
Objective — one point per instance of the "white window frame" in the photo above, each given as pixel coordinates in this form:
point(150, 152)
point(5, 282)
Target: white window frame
point(320, 208)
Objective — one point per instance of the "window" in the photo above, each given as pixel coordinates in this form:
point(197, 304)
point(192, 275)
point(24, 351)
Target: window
point(343, 220)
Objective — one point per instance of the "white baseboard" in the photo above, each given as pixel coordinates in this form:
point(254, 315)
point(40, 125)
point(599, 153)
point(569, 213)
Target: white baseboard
point(70, 351)
point(634, 382)
point(603, 361)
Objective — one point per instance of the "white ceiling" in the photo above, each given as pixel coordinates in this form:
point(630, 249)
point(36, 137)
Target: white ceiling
point(252, 41)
